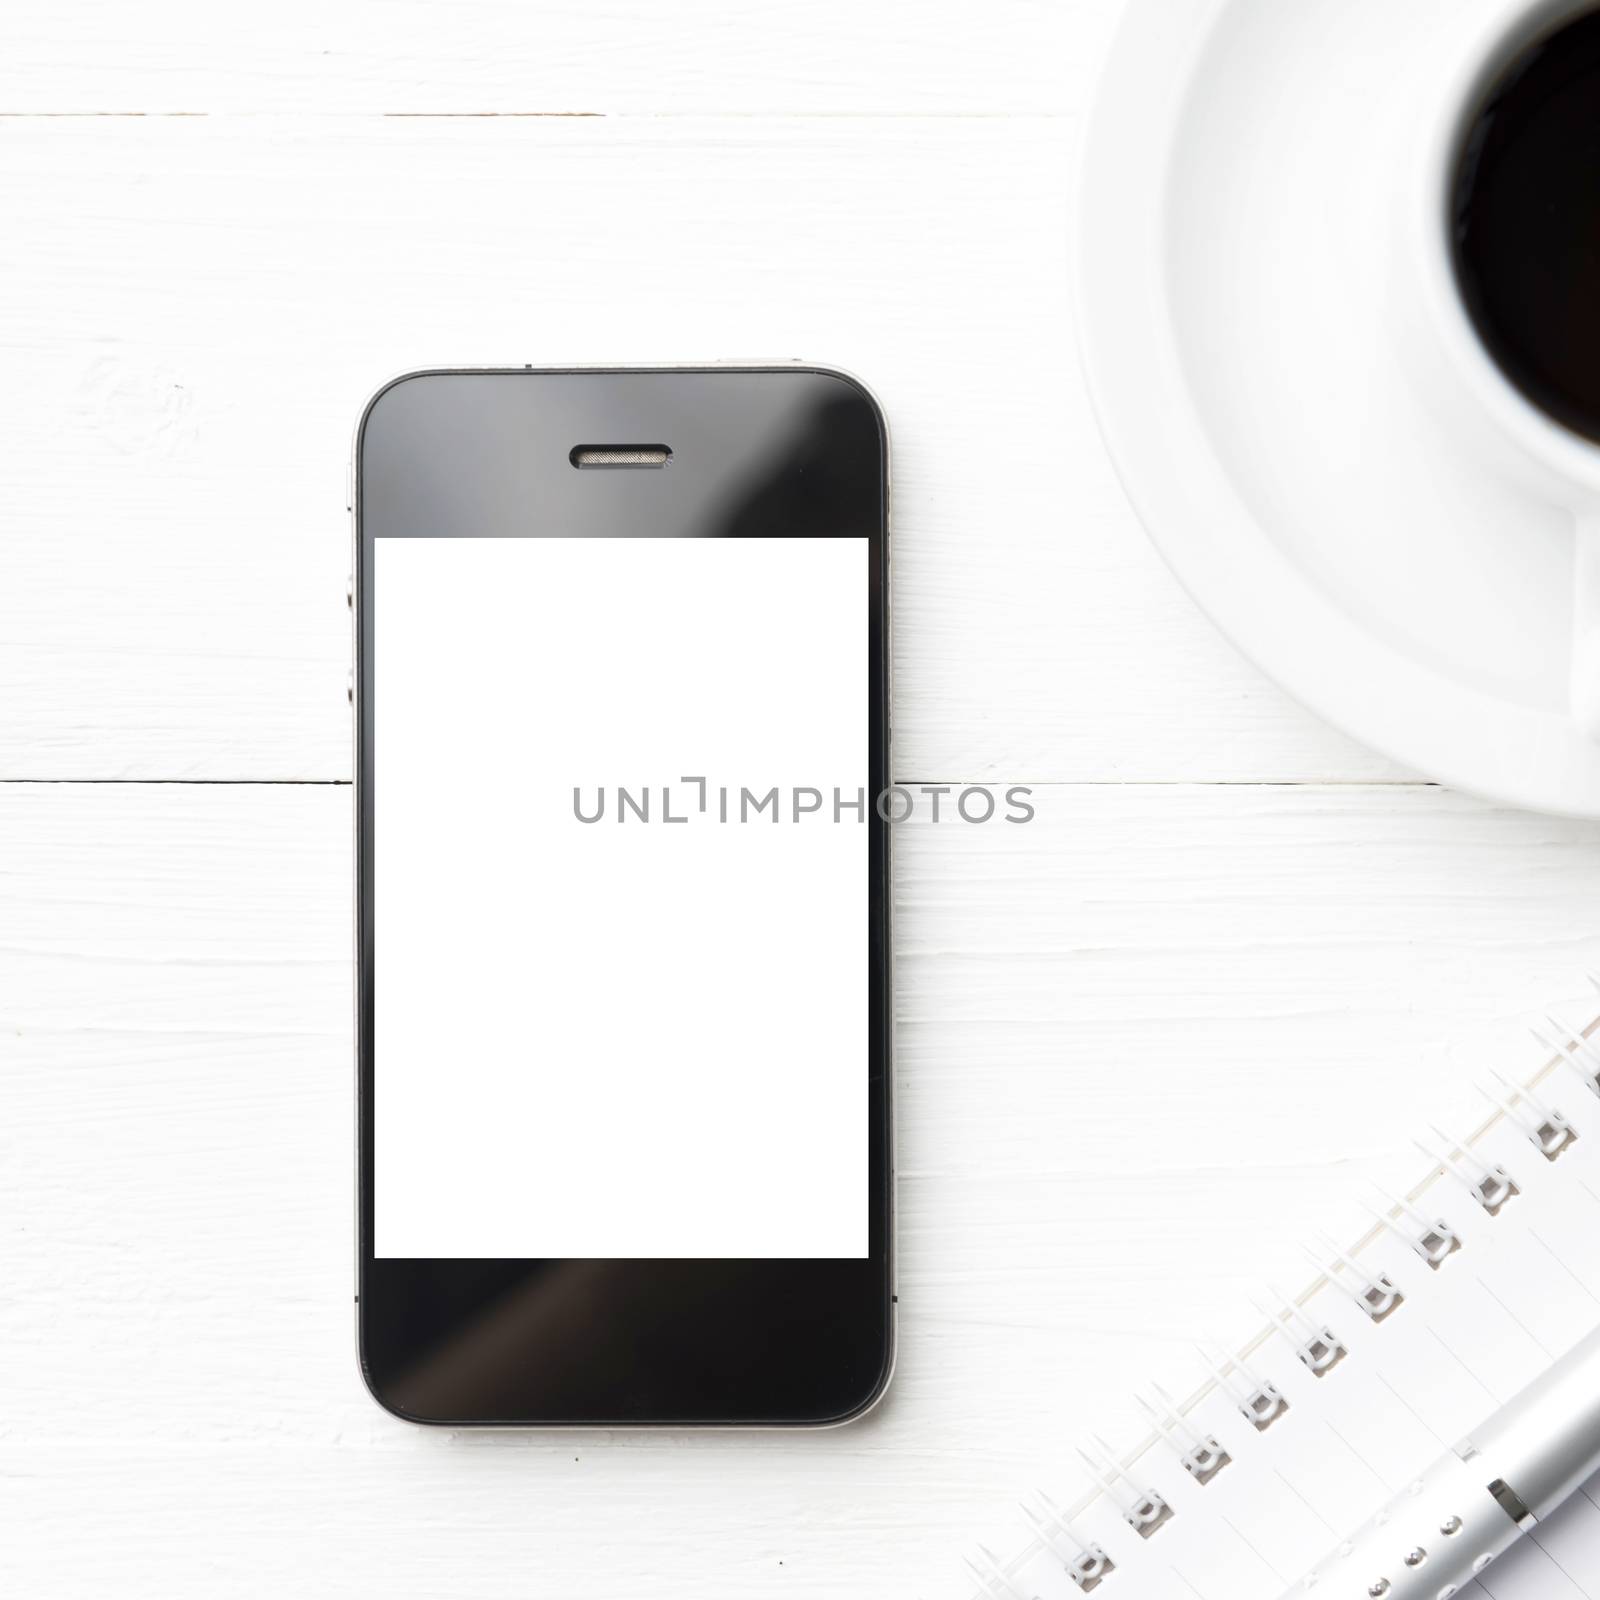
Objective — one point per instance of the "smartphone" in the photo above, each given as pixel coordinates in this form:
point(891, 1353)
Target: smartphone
point(622, 725)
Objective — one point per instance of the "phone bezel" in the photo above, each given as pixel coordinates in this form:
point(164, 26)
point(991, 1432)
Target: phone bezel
point(767, 1386)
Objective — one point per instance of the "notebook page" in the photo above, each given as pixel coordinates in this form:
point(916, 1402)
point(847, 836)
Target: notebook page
point(1521, 1289)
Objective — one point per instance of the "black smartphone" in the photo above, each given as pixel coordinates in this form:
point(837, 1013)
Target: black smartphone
point(622, 727)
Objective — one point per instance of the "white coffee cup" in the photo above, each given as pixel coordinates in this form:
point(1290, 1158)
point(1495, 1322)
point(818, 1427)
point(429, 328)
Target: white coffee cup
point(1446, 353)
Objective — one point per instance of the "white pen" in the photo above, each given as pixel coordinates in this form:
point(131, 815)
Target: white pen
point(1473, 1504)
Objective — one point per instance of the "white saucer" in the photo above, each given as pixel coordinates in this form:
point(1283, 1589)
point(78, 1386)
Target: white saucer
point(1243, 334)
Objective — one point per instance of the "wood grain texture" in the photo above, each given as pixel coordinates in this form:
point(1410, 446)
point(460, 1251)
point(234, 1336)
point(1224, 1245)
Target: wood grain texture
point(198, 310)
point(1132, 1075)
point(486, 57)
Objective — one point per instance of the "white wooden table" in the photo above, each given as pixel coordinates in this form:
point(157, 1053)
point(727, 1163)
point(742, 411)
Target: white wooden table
point(1146, 1043)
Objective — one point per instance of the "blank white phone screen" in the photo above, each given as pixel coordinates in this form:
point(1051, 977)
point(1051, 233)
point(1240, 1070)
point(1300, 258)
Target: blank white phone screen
point(622, 1037)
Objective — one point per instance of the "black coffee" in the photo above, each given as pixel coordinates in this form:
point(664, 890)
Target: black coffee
point(1527, 223)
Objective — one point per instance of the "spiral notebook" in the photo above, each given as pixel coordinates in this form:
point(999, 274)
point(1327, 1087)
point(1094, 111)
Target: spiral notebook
point(1462, 1291)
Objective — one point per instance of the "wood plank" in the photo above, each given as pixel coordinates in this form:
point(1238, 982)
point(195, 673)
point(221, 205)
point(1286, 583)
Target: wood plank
point(500, 56)
point(199, 308)
point(1147, 1043)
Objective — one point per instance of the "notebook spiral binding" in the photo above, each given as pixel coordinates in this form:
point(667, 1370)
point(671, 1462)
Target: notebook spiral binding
point(1573, 1053)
